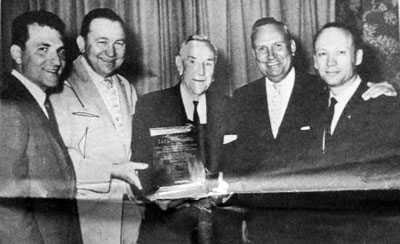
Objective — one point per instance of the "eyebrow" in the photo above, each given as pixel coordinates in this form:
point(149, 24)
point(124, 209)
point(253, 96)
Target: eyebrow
point(107, 38)
point(209, 59)
point(43, 44)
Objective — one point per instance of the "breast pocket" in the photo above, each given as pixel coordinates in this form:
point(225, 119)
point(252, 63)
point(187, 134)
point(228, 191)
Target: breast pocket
point(84, 123)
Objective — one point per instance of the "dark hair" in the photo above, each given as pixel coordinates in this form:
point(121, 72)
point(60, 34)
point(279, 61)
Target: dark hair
point(20, 33)
point(99, 13)
point(354, 33)
point(270, 21)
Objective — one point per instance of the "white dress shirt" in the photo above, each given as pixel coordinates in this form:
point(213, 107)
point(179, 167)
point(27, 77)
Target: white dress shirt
point(342, 99)
point(36, 91)
point(278, 95)
point(189, 106)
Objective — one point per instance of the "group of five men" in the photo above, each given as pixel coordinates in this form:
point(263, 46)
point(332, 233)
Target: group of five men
point(79, 155)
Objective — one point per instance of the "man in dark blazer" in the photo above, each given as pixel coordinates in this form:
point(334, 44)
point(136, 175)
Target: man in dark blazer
point(165, 108)
point(351, 130)
point(36, 173)
point(175, 107)
point(272, 115)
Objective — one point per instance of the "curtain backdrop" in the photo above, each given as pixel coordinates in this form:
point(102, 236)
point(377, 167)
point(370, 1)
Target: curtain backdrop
point(157, 27)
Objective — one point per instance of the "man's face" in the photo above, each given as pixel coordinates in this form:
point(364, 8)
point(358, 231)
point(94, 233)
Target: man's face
point(273, 52)
point(104, 47)
point(196, 66)
point(43, 59)
point(335, 57)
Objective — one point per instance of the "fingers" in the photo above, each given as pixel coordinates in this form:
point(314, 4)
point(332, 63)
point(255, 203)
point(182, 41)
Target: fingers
point(135, 181)
point(379, 89)
point(139, 166)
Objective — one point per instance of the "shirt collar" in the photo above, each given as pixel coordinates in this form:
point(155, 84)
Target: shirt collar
point(345, 95)
point(187, 97)
point(36, 91)
point(92, 74)
point(189, 107)
point(286, 84)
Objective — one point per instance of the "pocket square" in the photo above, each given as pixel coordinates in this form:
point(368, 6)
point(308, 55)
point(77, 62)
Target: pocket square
point(305, 128)
point(229, 138)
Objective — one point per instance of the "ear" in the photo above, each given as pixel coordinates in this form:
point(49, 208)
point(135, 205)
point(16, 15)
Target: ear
point(315, 61)
point(81, 43)
point(293, 47)
point(16, 54)
point(179, 64)
point(359, 56)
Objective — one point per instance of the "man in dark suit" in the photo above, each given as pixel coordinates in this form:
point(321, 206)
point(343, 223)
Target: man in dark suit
point(36, 173)
point(352, 130)
point(176, 107)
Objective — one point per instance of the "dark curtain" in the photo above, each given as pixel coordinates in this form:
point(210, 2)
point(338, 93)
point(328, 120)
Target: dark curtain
point(156, 29)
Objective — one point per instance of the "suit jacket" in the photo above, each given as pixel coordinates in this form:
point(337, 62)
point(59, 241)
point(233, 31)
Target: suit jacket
point(256, 149)
point(367, 131)
point(165, 108)
point(36, 173)
point(90, 134)
point(95, 144)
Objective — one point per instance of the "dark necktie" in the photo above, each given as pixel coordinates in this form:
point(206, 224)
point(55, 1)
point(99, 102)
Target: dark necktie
point(196, 118)
point(49, 110)
point(329, 116)
point(327, 123)
point(51, 116)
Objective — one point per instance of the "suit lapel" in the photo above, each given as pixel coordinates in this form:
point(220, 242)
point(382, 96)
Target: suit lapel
point(177, 102)
point(260, 102)
point(87, 92)
point(18, 92)
point(293, 107)
point(350, 110)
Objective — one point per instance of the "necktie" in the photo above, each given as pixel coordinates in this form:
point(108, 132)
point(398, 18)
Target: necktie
point(50, 113)
point(329, 115)
point(328, 122)
point(196, 118)
point(275, 109)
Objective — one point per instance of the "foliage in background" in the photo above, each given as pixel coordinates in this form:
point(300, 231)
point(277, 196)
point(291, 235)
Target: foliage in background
point(379, 22)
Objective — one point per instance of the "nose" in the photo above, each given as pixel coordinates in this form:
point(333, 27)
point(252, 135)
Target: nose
point(201, 69)
point(110, 51)
point(55, 58)
point(331, 60)
point(271, 54)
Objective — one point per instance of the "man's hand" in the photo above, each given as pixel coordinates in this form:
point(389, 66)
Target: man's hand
point(378, 89)
point(127, 171)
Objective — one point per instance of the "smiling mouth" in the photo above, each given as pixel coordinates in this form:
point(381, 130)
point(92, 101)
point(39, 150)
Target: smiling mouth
point(273, 64)
point(52, 71)
point(331, 73)
point(111, 61)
